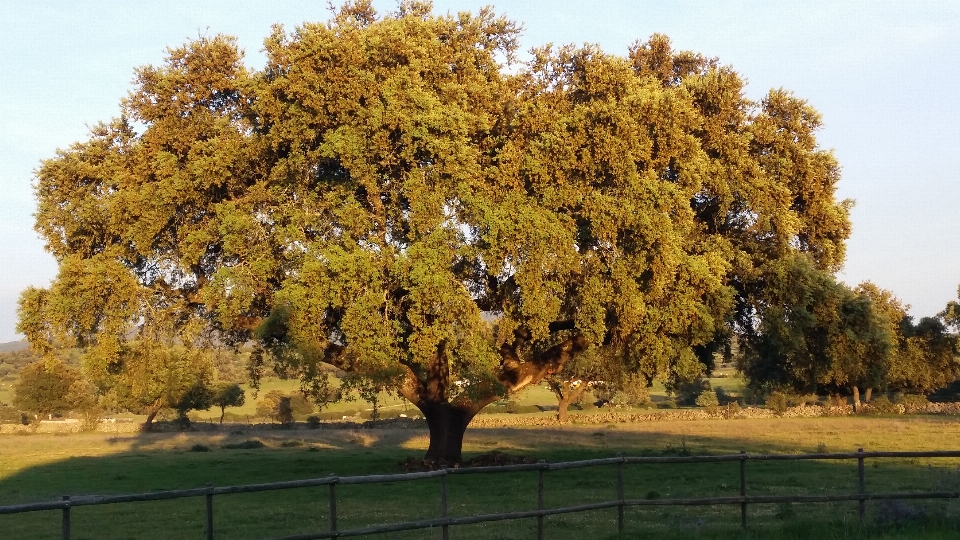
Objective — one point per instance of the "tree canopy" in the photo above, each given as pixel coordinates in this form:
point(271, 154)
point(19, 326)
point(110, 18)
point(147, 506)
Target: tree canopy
point(815, 334)
point(49, 386)
point(396, 196)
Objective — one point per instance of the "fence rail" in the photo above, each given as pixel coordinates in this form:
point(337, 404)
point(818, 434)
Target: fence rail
point(445, 521)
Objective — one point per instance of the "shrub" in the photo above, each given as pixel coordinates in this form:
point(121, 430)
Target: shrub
point(686, 392)
point(708, 400)
point(618, 400)
point(90, 419)
point(199, 448)
point(313, 422)
point(806, 399)
point(777, 401)
point(751, 396)
point(731, 409)
point(912, 403)
point(669, 404)
point(515, 408)
point(881, 405)
point(949, 393)
point(632, 392)
point(291, 444)
point(245, 445)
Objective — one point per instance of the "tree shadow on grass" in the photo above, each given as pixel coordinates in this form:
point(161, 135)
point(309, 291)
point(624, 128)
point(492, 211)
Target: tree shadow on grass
point(144, 462)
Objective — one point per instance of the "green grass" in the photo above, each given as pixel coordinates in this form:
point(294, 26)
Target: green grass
point(42, 467)
point(6, 391)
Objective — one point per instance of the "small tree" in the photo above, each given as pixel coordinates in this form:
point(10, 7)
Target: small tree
point(815, 334)
point(85, 399)
point(777, 401)
point(568, 391)
point(228, 394)
point(951, 314)
point(198, 398)
point(579, 375)
point(283, 408)
point(269, 404)
point(44, 387)
point(708, 400)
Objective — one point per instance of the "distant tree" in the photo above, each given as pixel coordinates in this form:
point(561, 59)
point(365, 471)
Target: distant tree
point(926, 359)
point(283, 408)
point(921, 358)
point(226, 394)
point(568, 390)
point(268, 405)
point(199, 397)
point(951, 315)
point(145, 377)
point(815, 334)
point(11, 362)
point(582, 373)
point(708, 400)
point(47, 386)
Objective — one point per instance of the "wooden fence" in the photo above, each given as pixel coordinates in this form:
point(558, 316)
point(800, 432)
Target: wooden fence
point(444, 522)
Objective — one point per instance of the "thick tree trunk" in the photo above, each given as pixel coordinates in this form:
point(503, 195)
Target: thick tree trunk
point(447, 425)
point(868, 395)
point(856, 399)
point(427, 387)
point(148, 425)
point(562, 414)
point(151, 414)
point(567, 394)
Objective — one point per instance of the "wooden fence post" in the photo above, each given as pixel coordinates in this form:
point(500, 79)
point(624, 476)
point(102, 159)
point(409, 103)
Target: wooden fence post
point(540, 498)
point(862, 485)
point(333, 505)
point(209, 511)
point(443, 504)
point(66, 518)
point(743, 488)
point(620, 496)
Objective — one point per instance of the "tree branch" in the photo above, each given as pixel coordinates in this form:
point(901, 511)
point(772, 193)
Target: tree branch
point(517, 375)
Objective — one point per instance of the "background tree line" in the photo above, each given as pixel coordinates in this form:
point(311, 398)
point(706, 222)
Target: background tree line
point(898, 356)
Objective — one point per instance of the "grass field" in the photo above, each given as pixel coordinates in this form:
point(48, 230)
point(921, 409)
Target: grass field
point(6, 390)
point(42, 467)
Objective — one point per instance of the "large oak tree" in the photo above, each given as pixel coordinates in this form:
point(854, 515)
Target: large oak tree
point(389, 196)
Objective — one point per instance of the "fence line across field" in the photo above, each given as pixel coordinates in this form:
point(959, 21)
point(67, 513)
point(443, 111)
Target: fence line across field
point(444, 522)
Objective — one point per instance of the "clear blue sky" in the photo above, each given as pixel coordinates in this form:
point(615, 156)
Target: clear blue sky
point(884, 74)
